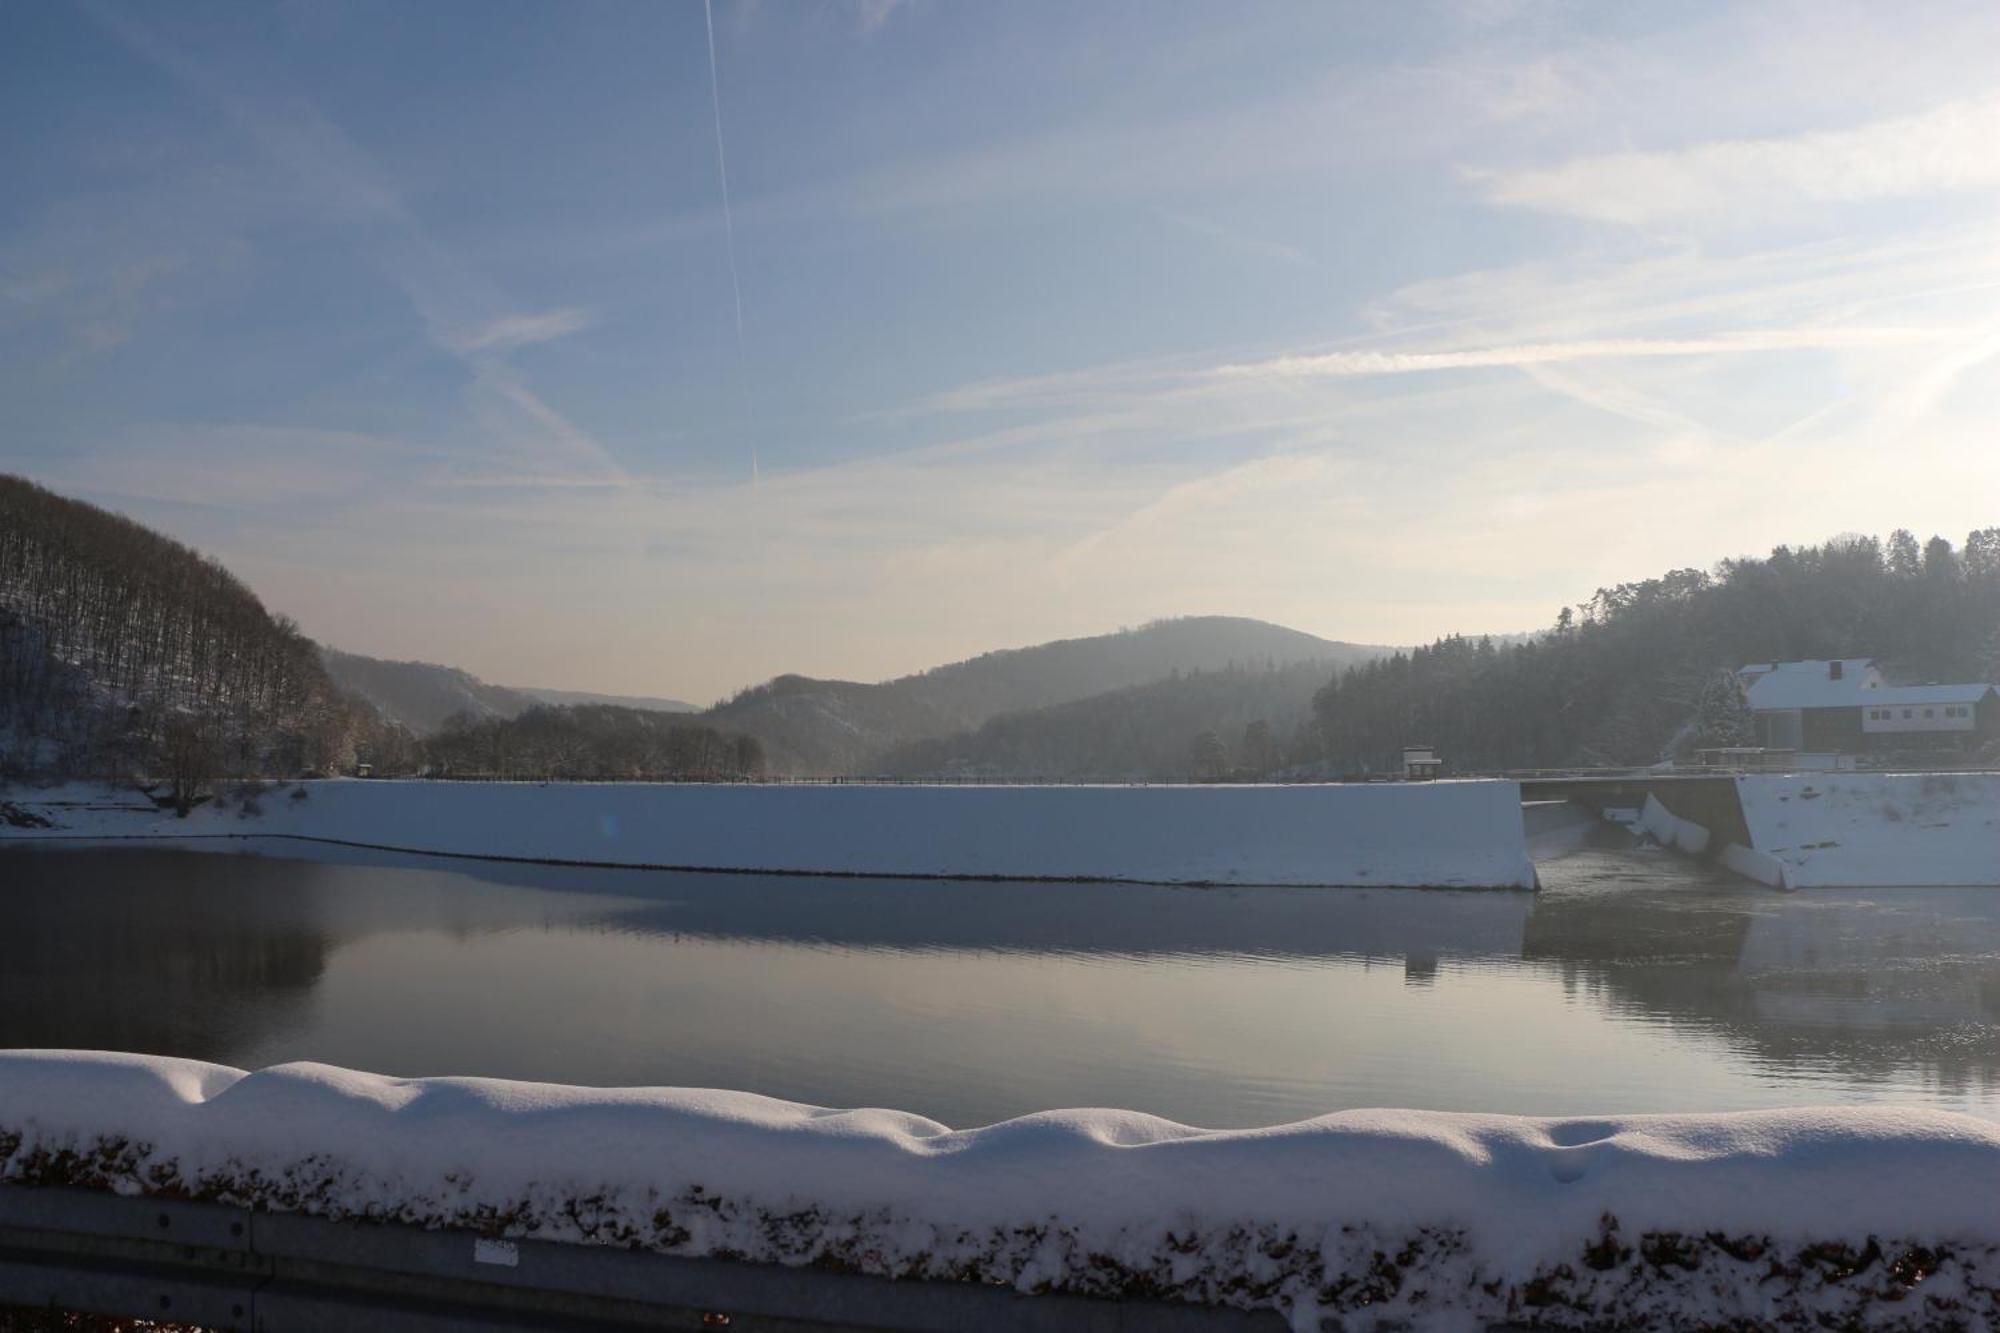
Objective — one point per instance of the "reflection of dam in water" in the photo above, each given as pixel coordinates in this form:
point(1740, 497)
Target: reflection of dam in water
point(1635, 980)
point(1115, 919)
point(1867, 982)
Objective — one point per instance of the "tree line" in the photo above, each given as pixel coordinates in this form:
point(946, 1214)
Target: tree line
point(578, 741)
point(1620, 678)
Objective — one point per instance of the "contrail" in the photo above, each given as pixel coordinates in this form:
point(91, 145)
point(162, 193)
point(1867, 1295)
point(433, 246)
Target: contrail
point(722, 168)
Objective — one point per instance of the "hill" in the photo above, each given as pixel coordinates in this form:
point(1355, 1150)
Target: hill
point(1618, 678)
point(644, 703)
point(830, 726)
point(421, 695)
point(1238, 720)
point(589, 741)
point(124, 651)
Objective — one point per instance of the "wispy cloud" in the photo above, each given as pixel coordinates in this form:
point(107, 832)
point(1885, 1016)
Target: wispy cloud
point(522, 330)
point(1540, 354)
point(1749, 181)
point(1236, 239)
point(449, 295)
point(874, 13)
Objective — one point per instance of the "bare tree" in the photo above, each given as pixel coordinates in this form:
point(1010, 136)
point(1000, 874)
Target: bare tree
point(190, 757)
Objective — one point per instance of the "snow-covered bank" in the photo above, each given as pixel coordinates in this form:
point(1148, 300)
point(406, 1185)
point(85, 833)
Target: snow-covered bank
point(1443, 834)
point(1824, 1218)
point(1866, 830)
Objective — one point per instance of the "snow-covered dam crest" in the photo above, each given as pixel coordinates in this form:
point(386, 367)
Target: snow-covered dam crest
point(1865, 830)
point(1835, 1217)
point(1442, 834)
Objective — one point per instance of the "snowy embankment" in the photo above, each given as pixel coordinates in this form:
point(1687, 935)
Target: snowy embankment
point(1869, 830)
point(1823, 1218)
point(1442, 834)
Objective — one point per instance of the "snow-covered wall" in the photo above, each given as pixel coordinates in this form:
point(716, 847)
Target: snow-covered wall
point(1443, 834)
point(1824, 1218)
point(1866, 830)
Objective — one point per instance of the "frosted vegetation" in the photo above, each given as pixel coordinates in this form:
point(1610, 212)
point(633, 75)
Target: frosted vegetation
point(1837, 1218)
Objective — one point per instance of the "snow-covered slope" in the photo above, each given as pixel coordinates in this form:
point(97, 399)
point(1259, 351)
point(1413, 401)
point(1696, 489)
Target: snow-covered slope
point(1442, 835)
point(1836, 1218)
point(1871, 829)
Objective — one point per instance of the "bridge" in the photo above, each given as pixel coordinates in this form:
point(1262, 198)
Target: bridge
point(1707, 799)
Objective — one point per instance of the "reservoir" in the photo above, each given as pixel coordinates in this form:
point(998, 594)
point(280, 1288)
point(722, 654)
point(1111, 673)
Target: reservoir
point(1635, 981)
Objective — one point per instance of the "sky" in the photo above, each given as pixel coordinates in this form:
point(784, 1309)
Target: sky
point(1016, 321)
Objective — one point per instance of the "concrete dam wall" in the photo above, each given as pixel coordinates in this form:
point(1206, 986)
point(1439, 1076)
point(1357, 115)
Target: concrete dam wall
point(1441, 835)
point(1838, 830)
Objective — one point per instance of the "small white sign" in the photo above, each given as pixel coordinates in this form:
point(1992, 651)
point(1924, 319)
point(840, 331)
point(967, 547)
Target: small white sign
point(502, 1252)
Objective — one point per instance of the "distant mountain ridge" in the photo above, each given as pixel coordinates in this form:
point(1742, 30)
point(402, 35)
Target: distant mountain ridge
point(645, 703)
point(421, 695)
point(809, 726)
point(813, 726)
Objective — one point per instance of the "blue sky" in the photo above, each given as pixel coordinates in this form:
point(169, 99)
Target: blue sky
point(1378, 320)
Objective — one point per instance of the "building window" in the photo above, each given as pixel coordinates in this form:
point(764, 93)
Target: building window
point(1930, 712)
point(1906, 712)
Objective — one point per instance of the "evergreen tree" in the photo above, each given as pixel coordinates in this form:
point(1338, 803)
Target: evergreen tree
point(1904, 557)
point(1207, 758)
point(1722, 713)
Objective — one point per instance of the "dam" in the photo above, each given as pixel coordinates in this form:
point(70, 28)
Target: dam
point(1454, 834)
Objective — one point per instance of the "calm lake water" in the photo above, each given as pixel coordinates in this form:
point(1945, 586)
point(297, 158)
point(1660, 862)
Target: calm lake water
point(1634, 982)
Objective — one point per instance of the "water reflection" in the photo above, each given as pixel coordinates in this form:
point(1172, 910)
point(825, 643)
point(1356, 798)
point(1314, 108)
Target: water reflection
point(1869, 987)
point(1633, 982)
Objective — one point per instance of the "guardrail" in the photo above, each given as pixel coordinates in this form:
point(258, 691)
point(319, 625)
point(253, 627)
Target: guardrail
point(1607, 773)
point(222, 1267)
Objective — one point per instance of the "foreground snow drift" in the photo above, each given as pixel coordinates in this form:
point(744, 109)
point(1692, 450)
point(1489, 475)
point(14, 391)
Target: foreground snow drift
point(1821, 1218)
point(1444, 834)
point(1867, 830)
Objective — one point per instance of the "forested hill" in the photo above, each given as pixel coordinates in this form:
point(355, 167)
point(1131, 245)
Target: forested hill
point(118, 645)
point(644, 703)
point(1067, 669)
point(421, 695)
point(825, 726)
point(1240, 720)
point(1615, 681)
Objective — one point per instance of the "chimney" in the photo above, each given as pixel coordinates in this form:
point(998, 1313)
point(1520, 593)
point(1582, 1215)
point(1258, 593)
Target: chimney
point(1834, 668)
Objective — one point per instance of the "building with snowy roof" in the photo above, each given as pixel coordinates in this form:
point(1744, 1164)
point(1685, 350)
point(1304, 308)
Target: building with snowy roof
point(1907, 715)
point(1812, 706)
point(1844, 706)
